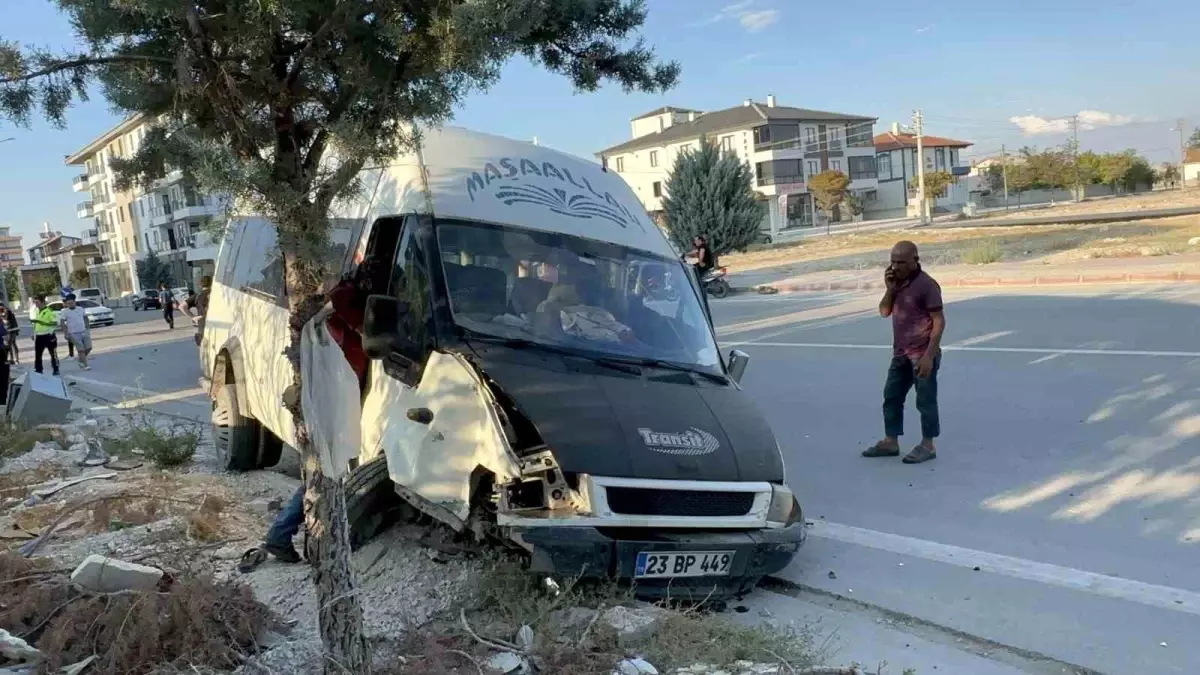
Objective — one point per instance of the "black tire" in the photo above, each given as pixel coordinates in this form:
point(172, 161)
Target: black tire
point(372, 504)
point(235, 436)
point(719, 289)
point(270, 446)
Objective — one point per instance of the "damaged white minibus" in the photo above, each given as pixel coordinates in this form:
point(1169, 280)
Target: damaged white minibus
point(524, 373)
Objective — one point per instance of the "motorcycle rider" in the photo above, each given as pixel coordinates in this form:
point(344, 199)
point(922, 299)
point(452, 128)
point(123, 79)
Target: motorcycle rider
point(705, 260)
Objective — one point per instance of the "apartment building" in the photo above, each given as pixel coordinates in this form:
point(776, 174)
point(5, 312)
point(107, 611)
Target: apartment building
point(168, 217)
point(12, 255)
point(784, 147)
point(64, 254)
point(896, 164)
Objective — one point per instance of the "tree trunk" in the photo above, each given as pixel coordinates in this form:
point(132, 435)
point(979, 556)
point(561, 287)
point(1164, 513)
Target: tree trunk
point(340, 614)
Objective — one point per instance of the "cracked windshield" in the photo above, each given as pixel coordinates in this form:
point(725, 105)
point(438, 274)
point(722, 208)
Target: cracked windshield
point(571, 292)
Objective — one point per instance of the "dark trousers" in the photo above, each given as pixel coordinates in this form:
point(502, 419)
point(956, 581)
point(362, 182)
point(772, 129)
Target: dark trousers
point(3, 382)
point(902, 376)
point(40, 344)
point(169, 315)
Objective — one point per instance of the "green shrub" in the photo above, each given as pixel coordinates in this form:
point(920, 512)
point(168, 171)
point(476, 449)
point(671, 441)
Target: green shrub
point(983, 253)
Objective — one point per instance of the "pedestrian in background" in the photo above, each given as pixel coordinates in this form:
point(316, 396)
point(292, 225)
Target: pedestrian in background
point(5, 338)
point(167, 298)
point(74, 322)
point(45, 323)
point(913, 300)
point(14, 332)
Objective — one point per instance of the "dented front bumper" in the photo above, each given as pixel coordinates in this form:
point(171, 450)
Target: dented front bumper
point(596, 553)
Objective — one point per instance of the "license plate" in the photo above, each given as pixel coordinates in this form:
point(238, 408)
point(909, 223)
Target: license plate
point(683, 564)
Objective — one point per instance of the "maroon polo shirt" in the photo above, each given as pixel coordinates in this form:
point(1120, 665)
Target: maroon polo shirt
point(912, 320)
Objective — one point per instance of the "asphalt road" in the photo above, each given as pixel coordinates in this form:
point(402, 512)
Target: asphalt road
point(1061, 518)
point(1062, 515)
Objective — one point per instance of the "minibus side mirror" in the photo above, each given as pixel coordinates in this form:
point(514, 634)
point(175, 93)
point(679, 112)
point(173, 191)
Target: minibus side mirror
point(383, 327)
point(738, 360)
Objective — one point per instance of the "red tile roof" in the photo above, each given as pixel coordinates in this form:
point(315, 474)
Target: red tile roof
point(890, 141)
point(1192, 156)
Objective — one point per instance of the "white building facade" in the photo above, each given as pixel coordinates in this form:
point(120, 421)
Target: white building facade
point(783, 146)
point(896, 166)
point(169, 218)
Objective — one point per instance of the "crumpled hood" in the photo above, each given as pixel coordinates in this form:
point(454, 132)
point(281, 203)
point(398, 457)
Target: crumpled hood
point(609, 423)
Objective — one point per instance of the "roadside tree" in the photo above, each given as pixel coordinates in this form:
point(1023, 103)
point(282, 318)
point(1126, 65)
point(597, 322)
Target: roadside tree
point(152, 271)
point(80, 278)
point(829, 189)
point(280, 104)
point(936, 183)
point(1168, 174)
point(1114, 166)
point(12, 284)
point(710, 193)
point(1194, 140)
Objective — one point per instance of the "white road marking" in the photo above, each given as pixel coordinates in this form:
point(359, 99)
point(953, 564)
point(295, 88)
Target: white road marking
point(1153, 595)
point(965, 348)
point(139, 396)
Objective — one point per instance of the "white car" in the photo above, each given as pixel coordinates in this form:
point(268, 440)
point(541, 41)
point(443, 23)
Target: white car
point(94, 294)
point(97, 314)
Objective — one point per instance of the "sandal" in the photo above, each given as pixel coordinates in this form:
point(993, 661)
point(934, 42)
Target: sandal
point(251, 559)
point(920, 454)
point(878, 450)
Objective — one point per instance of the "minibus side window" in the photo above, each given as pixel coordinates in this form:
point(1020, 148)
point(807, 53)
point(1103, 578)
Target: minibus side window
point(410, 282)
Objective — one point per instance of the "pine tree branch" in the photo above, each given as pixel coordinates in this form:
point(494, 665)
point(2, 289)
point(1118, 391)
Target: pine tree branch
point(86, 62)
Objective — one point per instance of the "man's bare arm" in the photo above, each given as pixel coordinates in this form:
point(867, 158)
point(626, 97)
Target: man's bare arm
point(885, 305)
point(935, 336)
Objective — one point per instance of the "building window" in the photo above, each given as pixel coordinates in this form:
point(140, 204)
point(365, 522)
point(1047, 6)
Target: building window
point(727, 144)
point(810, 136)
point(835, 164)
point(620, 164)
point(814, 167)
point(883, 164)
point(778, 172)
point(835, 137)
point(653, 158)
point(861, 167)
point(657, 186)
point(762, 135)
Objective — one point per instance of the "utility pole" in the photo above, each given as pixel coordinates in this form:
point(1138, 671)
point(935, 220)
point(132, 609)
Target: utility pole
point(1075, 154)
point(1182, 150)
point(923, 203)
point(1004, 170)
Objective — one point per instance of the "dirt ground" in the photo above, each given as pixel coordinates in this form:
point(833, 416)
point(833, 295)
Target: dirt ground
point(981, 245)
point(1162, 199)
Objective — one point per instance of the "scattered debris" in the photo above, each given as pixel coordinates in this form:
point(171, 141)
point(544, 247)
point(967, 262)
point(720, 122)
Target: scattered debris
point(106, 575)
point(46, 492)
point(14, 648)
point(635, 667)
point(507, 662)
point(551, 586)
point(634, 624)
point(524, 639)
point(832, 575)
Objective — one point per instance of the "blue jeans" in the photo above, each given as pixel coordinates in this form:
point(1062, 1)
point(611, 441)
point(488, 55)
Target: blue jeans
point(287, 523)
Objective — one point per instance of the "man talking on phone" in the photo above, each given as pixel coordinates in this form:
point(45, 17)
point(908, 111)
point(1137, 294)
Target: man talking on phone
point(913, 300)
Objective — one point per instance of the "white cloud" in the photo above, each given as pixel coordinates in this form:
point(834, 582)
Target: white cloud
point(1033, 125)
point(750, 57)
point(925, 28)
point(752, 20)
point(756, 21)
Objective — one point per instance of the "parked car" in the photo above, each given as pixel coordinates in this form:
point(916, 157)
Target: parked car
point(94, 294)
point(97, 314)
point(147, 299)
point(501, 399)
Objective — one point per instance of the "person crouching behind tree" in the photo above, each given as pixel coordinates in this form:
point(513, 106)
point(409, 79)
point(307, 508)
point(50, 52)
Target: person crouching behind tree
point(74, 322)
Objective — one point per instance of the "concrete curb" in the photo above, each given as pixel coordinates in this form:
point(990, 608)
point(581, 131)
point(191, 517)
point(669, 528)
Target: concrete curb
point(1036, 280)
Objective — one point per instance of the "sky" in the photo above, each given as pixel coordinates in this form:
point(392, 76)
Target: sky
point(994, 74)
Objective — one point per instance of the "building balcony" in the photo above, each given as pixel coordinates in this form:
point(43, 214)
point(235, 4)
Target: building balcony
point(198, 210)
point(85, 210)
point(80, 183)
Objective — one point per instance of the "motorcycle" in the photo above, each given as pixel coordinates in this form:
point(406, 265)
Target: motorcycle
point(714, 282)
